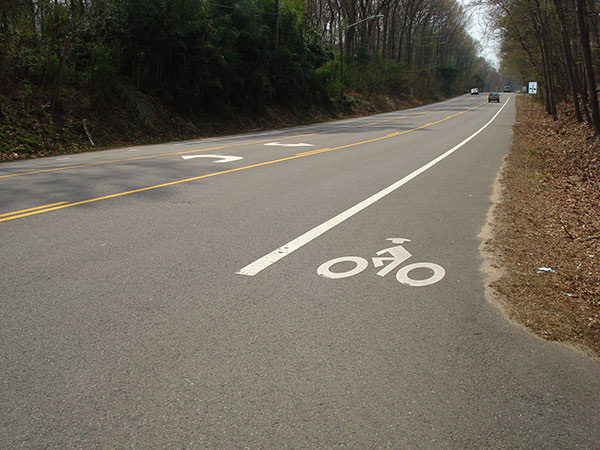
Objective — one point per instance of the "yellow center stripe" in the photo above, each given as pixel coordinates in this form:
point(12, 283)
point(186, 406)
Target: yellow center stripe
point(56, 169)
point(56, 206)
point(31, 209)
point(137, 158)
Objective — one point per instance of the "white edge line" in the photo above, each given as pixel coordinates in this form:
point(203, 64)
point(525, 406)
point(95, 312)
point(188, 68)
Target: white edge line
point(280, 253)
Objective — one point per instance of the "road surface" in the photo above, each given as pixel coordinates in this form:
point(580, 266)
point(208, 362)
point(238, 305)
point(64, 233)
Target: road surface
point(229, 293)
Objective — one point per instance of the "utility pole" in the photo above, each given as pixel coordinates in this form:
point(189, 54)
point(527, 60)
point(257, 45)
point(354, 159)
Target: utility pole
point(341, 29)
point(341, 33)
point(437, 52)
point(276, 25)
point(276, 71)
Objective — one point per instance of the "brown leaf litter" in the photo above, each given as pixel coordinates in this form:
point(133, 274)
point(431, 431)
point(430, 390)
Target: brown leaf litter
point(546, 228)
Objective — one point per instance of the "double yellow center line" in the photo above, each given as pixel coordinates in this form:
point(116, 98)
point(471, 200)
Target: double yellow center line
point(35, 208)
point(161, 155)
point(99, 163)
point(61, 205)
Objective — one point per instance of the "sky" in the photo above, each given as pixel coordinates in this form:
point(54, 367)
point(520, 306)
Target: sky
point(477, 30)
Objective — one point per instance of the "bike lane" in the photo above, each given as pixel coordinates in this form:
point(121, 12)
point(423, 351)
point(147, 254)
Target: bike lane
point(140, 330)
point(434, 365)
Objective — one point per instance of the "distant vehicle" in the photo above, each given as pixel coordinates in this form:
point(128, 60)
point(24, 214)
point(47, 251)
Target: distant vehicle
point(474, 91)
point(493, 97)
point(506, 88)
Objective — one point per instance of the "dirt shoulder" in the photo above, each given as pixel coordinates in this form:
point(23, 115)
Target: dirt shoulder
point(544, 247)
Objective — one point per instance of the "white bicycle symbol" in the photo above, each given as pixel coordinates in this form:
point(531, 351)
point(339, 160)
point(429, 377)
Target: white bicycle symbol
point(398, 255)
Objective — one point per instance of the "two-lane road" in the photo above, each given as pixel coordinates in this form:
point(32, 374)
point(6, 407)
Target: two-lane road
point(187, 295)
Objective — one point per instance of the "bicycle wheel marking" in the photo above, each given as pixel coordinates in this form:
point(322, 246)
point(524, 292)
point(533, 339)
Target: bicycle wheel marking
point(324, 269)
point(438, 274)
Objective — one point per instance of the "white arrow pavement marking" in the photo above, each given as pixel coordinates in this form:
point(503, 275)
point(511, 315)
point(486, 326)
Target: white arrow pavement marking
point(301, 144)
point(223, 158)
point(277, 254)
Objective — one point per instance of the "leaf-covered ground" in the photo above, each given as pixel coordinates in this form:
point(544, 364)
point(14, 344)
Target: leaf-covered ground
point(549, 218)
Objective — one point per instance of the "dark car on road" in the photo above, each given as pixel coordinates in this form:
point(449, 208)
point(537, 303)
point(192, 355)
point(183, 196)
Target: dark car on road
point(493, 97)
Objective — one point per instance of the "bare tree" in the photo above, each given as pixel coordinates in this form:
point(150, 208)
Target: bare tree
point(584, 39)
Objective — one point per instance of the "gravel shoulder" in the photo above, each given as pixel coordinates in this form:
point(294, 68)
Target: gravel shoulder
point(542, 241)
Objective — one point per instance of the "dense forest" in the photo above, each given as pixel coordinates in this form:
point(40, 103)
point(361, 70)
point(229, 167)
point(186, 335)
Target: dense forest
point(557, 43)
point(77, 61)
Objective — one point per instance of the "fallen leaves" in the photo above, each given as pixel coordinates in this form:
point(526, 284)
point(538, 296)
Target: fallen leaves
point(549, 216)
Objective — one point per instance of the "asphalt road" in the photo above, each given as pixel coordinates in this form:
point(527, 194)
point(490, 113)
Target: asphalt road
point(152, 301)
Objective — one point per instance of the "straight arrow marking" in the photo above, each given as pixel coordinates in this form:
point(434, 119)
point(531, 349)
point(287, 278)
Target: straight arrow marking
point(301, 144)
point(223, 158)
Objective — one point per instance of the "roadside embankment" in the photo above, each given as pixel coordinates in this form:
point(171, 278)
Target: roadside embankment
point(546, 228)
point(29, 130)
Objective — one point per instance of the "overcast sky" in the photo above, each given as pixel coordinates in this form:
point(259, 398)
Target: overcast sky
point(478, 30)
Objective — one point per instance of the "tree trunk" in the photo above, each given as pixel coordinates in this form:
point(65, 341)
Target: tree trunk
point(543, 38)
point(276, 66)
point(593, 15)
point(32, 13)
point(544, 66)
point(58, 84)
point(568, 58)
point(384, 48)
point(584, 38)
point(276, 25)
point(409, 45)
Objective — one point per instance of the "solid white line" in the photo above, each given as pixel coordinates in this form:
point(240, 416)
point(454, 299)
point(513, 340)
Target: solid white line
point(271, 258)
